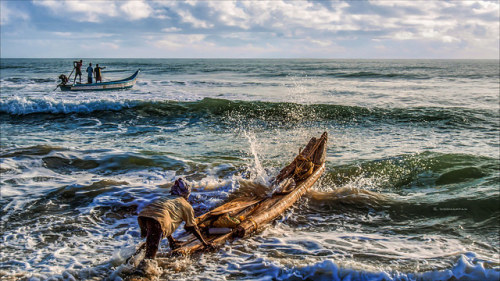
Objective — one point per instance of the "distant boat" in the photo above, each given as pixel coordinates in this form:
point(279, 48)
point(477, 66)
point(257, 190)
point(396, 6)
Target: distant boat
point(126, 83)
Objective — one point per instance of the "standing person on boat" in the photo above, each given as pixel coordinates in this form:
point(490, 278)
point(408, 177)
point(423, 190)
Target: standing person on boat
point(98, 75)
point(78, 67)
point(90, 71)
point(163, 216)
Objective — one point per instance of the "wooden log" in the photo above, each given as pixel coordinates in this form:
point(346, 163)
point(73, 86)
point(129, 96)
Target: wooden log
point(319, 155)
point(233, 206)
point(275, 207)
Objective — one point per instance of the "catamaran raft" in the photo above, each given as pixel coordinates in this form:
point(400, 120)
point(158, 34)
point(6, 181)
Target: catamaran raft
point(242, 216)
point(109, 85)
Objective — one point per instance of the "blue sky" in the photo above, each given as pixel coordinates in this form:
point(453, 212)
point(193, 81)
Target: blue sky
point(250, 29)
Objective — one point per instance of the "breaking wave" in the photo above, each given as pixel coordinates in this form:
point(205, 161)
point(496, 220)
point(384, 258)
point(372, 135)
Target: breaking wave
point(25, 106)
point(247, 110)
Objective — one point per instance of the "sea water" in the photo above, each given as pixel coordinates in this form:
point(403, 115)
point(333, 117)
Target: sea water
point(411, 189)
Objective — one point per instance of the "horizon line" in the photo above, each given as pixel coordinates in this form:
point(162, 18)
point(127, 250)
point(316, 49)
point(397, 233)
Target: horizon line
point(255, 58)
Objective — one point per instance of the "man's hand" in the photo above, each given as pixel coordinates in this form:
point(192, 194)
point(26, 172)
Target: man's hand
point(209, 246)
point(175, 245)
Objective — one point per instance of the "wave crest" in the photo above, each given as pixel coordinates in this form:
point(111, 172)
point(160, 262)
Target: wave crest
point(25, 106)
point(239, 112)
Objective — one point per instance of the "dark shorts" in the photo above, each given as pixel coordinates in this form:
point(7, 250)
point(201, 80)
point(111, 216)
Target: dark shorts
point(78, 72)
point(151, 229)
point(148, 225)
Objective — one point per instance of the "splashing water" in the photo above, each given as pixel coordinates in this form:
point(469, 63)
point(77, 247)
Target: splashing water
point(261, 176)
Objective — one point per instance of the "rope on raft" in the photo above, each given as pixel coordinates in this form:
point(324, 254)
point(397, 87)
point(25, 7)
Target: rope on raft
point(304, 166)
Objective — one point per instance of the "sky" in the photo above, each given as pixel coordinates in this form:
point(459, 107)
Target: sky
point(250, 29)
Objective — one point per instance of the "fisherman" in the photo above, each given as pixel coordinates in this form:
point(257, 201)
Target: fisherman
point(163, 216)
point(98, 76)
point(90, 71)
point(64, 79)
point(78, 66)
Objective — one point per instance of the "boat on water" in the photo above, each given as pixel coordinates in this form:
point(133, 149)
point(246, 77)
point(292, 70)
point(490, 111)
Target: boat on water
point(243, 216)
point(126, 83)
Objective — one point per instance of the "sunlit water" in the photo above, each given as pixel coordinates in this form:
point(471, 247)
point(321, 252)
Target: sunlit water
point(410, 191)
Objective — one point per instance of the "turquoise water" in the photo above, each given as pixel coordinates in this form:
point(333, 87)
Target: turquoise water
point(410, 192)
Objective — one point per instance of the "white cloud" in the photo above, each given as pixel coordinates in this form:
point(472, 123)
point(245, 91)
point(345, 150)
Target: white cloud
point(136, 10)
point(438, 21)
point(282, 15)
point(228, 13)
point(177, 41)
point(109, 45)
point(87, 11)
point(171, 29)
point(62, 34)
point(322, 43)
point(479, 7)
point(187, 17)
point(8, 14)
point(275, 27)
point(80, 35)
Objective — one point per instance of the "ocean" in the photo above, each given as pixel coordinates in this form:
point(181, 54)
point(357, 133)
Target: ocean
point(410, 192)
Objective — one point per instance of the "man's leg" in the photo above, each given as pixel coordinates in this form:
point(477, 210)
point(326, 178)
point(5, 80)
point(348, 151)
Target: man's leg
point(153, 238)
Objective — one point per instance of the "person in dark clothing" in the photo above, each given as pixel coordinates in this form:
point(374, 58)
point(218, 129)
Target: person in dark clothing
point(90, 71)
point(98, 74)
point(163, 216)
point(78, 67)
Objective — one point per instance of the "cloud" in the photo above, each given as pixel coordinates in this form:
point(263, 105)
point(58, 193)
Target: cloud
point(136, 10)
point(281, 16)
point(83, 11)
point(171, 29)
point(109, 45)
point(228, 13)
point(99, 11)
point(176, 41)
point(294, 28)
point(82, 35)
point(187, 17)
point(62, 34)
point(437, 21)
point(326, 24)
point(8, 14)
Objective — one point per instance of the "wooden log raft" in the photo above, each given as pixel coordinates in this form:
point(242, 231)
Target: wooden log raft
point(253, 212)
point(277, 204)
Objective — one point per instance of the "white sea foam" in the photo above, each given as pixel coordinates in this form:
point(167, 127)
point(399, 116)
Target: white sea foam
point(22, 105)
point(467, 267)
point(74, 256)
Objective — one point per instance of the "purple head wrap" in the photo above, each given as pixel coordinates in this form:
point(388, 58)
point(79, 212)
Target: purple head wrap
point(181, 188)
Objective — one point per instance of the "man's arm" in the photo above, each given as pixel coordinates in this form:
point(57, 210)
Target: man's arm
point(192, 227)
point(196, 232)
point(174, 244)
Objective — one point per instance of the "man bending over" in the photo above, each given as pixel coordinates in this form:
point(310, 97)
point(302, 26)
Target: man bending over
point(163, 216)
